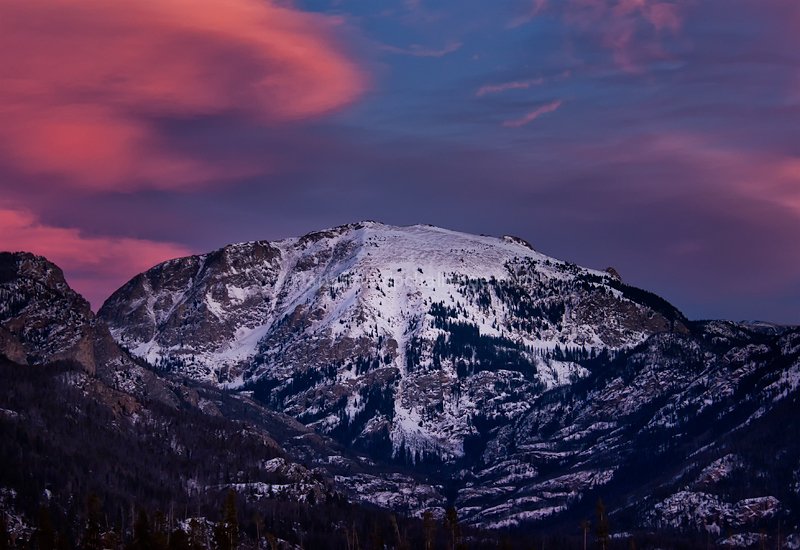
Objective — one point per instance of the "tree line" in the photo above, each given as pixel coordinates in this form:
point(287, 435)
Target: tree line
point(292, 526)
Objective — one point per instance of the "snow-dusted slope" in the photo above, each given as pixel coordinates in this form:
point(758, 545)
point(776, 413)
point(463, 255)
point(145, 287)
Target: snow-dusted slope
point(392, 337)
point(654, 422)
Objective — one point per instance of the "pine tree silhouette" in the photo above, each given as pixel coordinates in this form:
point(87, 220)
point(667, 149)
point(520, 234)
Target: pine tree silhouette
point(91, 536)
point(226, 532)
point(603, 534)
point(46, 533)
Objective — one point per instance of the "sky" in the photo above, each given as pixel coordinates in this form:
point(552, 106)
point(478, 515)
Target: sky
point(661, 138)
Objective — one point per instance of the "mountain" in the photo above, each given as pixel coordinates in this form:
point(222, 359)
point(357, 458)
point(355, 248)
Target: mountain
point(390, 338)
point(80, 415)
point(409, 369)
point(522, 387)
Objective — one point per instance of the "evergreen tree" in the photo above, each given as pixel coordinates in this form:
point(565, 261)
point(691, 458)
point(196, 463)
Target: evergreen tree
point(46, 535)
point(271, 540)
point(402, 541)
point(178, 540)
point(376, 541)
point(197, 535)
point(114, 537)
point(429, 530)
point(63, 541)
point(258, 522)
point(159, 540)
point(603, 533)
point(4, 535)
point(451, 524)
point(141, 531)
point(585, 524)
point(226, 532)
point(91, 536)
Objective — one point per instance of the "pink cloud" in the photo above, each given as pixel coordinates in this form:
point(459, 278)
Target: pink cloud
point(81, 78)
point(419, 51)
point(776, 179)
point(533, 115)
point(758, 175)
point(94, 266)
point(664, 16)
point(510, 86)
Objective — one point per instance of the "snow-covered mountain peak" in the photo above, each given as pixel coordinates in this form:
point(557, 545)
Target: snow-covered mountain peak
point(383, 333)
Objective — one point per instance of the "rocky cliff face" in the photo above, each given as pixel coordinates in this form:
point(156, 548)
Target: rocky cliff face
point(399, 340)
point(43, 320)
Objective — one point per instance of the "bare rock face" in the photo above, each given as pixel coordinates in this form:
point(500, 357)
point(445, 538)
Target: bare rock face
point(43, 320)
point(182, 301)
point(613, 272)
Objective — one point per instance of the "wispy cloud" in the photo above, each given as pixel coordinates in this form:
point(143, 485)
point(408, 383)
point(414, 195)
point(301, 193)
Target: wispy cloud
point(419, 51)
point(80, 89)
point(533, 115)
point(510, 86)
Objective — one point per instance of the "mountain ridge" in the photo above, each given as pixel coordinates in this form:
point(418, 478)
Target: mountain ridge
point(518, 392)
